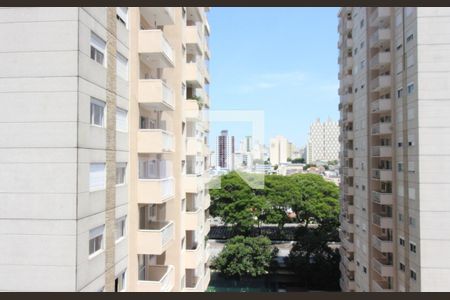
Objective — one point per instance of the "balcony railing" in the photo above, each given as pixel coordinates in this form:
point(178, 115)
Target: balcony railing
point(382, 128)
point(383, 221)
point(194, 75)
point(382, 174)
point(380, 59)
point(380, 82)
point(193, 257)
point(156, 94)
point(382, 198)
point(379, 36)
point(382, 286)
point(382, 267)
point(381, 105)
point(382, 244)
point(154, 237)
point(155, 191)
point(194, 219)
point(156, 48)
point(156, 279)
point(378, 14)
point(382, 151)
point(154, 141)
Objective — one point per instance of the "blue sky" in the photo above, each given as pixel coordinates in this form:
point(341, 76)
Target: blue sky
point(282, 61)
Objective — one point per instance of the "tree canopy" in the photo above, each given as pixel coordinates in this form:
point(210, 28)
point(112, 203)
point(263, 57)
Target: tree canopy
point(245, 256)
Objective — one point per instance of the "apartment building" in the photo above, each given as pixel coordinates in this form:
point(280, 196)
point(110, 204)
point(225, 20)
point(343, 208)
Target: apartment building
point(64, 149)
point(394, 104)
point(323, 141)
point(104, 147)
point(225, 151)
point(169, 101)
point(280, 150)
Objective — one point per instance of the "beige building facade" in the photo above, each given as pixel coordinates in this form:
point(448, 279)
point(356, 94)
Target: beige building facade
point(395, 187)
point(104, 149)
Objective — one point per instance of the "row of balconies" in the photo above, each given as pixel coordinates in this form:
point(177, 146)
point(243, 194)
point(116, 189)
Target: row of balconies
point(347, 281)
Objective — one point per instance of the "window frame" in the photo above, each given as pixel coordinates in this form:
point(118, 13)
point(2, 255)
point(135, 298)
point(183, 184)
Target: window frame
point(94, 234)
point(102, 104)
point(99, 45)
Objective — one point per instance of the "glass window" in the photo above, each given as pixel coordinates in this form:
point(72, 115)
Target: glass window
point(122, 66)
point(121, 169)
point(98, 49)
point(98, 112)
point(97, 176)
point(122, 15)
point(96, 239)
point(121, 120)
point(120, 227)
point(119, 285)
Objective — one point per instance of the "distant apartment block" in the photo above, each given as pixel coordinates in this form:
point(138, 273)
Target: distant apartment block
point(394, 70)
point(323, 141)
point(225, 151)
point(103, 147)
point(280, 150)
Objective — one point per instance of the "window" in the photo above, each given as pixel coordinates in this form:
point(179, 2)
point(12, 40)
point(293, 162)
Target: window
point(399, 46)
point(413, 275)
point(98, 112)
point(365, 269)
point(119, 284)
point(121, 169)
point(122, 15)
point(402, 242)
point(399, 93)
point(410, 140)
point(363, 63)
point(410, 114)
point(361, 45)
point(410, 60)
point(120, 228)
point(400, 167)
point(96, 239)
point(361, 23)
point(412, 193)
point(400, 217)
point(402, 267)
point(399, 67)
point(98, 49)
point(122, 66)
point(412, 223)
point(411, 167)
point(121, 120)
point(97, 176)
point(410, 88)
point(412, 247)
point(410, 37)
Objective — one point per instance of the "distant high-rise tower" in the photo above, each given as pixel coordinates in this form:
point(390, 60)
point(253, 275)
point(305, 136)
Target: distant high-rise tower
point(225, 150)
point(323, 143)
point(279, 150)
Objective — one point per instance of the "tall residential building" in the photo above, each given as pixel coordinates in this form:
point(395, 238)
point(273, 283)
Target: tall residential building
point(102, 174)
point(394, 104)
point(279, 150)
point(323, 141)
point(225, 151)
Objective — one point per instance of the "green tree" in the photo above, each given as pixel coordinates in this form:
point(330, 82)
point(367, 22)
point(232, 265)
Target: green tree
point(298, 161)
point(315, 199)
point(245, 256)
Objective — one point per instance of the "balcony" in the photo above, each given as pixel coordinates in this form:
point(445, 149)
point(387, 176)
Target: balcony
point(381, 105)
point(207, 226)
point(347, 99)
point(382, 174)
point(348, 153)
point(382, 244)
point(192, 110)
point(156, 279)
point(348, 190)
point(206, 279)
point(382, 267)
point(193, 39)
point(382, 128)
point(194, 257)
point(155, 191)
point(379, 15)
point(348, 25)
point(194, 75)
point(380, 82)
point(154, 141)
point(380, 286)
point(348, 171)
point(206, 201)
point(155, 237)
point(382, 198)
point(349, 63)
point(348, 116)
point(158, 15)
point(154, 49)
point(349, 246)
point(382, 151)
point(347, 284)
point(380, 36)
point(194, 146)
point(349, 134)
point(349, 208)
point(207, 252)
point(349, 43)
point(193, 220)
point(347, 80)
point(380, 60)
point(155, 94)
point(349, 264)
point(347, 226)
point(382, 221)
point(193, 184)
